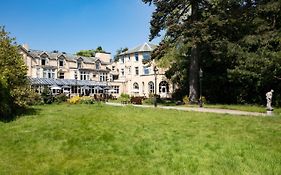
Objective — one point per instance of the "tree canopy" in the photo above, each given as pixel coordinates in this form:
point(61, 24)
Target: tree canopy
point(236, 43)
point(119, 51)
point(14, 89)
point(91, 52)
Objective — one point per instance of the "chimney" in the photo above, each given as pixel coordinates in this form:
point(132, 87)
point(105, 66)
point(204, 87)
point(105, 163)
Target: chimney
point(26, 46)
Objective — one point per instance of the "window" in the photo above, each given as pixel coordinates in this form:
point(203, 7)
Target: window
point(122, 60)
point(146, 70)
point(136, 86)
point(43, 62)
point(129, 57)
point(163, 87)
point(38, 72)
point(48, 73)
point(137, 70)
point(136, 56)
point(151, 87)
point(103, 76)
point(122, 72)
point(116, 89)
point(84, 75)
point(97, 65)
point(61, 75)
point(79, 64)
point(146, 56)
point(61, 63)
point(129, 70)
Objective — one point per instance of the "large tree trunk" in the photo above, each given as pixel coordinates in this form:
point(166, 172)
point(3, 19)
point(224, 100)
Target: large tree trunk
point(193, 75)
point(194, 60)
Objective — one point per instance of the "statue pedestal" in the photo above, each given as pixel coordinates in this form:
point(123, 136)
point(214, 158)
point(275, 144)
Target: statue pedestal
point(269, 112)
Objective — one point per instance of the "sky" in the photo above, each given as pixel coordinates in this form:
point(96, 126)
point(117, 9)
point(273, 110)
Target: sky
point(73, 25)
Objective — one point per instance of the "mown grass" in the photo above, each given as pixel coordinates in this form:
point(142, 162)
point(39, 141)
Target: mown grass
point(248, 108)
point(99, 139)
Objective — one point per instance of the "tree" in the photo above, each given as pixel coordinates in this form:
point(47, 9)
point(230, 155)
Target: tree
point(13, 82)
point(258, 54)
point(119, 51)
point(182, 22)
point(91, 52)
point(232, 41)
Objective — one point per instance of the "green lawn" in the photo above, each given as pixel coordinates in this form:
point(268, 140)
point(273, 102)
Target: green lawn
point(249, 108)
point(99, 139)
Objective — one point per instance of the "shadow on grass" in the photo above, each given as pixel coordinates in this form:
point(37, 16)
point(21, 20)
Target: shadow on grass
point(20, 113)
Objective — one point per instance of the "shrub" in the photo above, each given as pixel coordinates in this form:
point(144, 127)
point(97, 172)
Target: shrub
point(204, 101)
point(33, 98)
point(74, 100)
point(86, 100)
point(5, 100)
point(185, 99)
point(124, 97)
point(60, 98)
point(149, 101)
point(47, 96)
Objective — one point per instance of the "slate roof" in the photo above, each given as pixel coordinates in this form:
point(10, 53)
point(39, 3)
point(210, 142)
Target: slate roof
point(68, 57)
point(146, 47)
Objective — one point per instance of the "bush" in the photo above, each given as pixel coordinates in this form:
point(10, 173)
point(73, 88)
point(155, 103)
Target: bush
point(204, 101)
point(185, 99)
point(47, 96)
point(149, 101)
point(86, 100)
point(33, 98)
point(124, 97)
point(5, 100)
point(74, 100)
point(60, 98)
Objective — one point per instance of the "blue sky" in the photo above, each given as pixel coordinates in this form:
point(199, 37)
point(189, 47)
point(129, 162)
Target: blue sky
point(73, 25)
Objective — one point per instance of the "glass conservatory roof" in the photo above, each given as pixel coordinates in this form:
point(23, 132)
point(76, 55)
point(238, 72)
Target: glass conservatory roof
point(64, 82)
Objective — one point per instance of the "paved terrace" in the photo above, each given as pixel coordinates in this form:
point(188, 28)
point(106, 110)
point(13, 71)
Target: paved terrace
point(210, 110)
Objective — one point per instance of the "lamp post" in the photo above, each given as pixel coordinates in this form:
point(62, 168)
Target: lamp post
point(106, 94)
point(76, 76)
point(155, 92)
point(201, 77)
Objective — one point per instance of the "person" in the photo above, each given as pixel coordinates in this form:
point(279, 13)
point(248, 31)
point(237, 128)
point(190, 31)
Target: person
point(269, 100)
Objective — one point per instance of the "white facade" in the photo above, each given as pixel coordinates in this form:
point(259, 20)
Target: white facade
point(135, 72)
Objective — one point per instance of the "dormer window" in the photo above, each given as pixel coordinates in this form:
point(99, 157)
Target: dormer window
point(43, 62)
point(79, 64)
point(61, 63)
point(97, 65)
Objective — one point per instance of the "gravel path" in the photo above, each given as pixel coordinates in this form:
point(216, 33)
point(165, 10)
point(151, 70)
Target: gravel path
point(211, 110)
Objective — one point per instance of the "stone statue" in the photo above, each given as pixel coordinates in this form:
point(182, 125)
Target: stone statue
point(269, 100)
